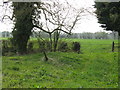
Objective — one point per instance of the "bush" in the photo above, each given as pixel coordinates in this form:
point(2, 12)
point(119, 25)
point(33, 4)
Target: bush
point(44, 45)
point(30, 47)
point(47, 44)
point(63, 46)
point(5, 48)
point(41, 45)
point(76, 47)
point(8, 48)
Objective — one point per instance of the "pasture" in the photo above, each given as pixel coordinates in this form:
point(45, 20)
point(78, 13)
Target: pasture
point(95, 67)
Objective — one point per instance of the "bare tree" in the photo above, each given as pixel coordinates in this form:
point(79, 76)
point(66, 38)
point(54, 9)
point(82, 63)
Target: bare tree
point(54, 18)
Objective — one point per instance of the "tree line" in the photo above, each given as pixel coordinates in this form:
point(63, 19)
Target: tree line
point(88, 35)
point(84, 35)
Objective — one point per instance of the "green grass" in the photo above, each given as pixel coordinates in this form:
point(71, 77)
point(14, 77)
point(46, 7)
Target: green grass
point(88, 45)
point(2, 38)
point(96, 67)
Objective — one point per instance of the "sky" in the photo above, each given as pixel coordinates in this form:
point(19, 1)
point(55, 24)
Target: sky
point(87, 24)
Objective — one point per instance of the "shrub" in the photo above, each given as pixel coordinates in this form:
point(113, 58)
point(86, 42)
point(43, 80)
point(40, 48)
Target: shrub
point(8, 47)
point(30, 47)
point(44, 45)
point(5, 48)
point(41, 45)
point(47, 44)
point(76, 47)
point(63, 46)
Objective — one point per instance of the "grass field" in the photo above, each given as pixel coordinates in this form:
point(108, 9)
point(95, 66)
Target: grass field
point(95, 67)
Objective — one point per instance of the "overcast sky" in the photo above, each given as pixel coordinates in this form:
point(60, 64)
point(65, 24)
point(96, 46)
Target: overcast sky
point(88, 24)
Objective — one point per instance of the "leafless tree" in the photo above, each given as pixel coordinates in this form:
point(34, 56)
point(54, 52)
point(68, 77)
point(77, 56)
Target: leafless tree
point(54, 17)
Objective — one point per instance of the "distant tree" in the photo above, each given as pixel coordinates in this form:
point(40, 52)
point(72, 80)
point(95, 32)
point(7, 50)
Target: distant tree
point(88, 35)
point(5, 34)
point(108, 14)
point(101, 35)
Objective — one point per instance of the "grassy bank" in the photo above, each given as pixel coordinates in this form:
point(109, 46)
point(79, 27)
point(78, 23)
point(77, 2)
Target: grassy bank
point(95, 67)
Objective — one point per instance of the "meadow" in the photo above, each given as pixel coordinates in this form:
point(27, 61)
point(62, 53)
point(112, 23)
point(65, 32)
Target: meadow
point(95, 67)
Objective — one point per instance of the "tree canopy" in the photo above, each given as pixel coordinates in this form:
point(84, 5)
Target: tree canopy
point(108, 14)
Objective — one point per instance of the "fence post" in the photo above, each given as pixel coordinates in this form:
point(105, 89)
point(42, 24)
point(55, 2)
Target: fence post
point(113, 44)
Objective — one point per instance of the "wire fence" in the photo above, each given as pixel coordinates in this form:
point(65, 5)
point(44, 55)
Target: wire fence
point(113, 47)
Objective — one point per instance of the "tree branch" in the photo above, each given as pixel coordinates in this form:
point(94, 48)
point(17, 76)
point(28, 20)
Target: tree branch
point(41, 28)
point(7, 17)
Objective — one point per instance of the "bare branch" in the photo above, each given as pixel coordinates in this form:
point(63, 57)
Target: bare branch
point(41, 28)
point(63, 17)
point(7, 17)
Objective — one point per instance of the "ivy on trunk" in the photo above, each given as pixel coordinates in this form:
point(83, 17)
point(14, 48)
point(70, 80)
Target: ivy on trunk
point(23, 25)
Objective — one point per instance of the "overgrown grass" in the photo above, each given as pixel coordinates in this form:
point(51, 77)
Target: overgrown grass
point(95, 67)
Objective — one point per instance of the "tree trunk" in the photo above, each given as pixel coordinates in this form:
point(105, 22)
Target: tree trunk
point(50, 42)
point(56, 38)
point(22, 44)
point(20, 40)
point(23, 25)
point(45, 55)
